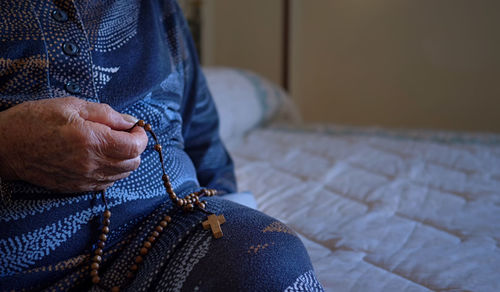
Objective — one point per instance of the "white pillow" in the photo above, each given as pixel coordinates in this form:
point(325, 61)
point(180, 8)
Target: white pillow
point(246, 100)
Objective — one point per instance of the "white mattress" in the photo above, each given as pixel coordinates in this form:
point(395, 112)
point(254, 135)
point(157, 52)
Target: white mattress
point(383, 210)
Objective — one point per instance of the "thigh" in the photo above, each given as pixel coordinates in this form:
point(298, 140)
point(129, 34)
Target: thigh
point(256, 253)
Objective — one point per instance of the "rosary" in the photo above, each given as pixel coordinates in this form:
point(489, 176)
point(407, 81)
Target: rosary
point(188, 204)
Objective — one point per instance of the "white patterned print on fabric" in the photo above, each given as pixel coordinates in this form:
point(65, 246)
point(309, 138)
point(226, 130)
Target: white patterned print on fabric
point(102, 75)
point(114, 28)
point(305, 282)
point(184, 261)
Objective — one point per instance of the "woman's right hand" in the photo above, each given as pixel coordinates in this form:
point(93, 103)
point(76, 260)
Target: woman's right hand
point(68, 144)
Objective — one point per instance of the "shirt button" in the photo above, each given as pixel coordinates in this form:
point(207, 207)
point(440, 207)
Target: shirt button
point(59, 15)
point(70, 48)
point(72, 87)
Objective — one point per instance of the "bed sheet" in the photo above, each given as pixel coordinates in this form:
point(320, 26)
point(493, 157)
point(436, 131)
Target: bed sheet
point(382, 210)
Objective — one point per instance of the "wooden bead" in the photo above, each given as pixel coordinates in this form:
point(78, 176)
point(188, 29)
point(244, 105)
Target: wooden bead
point(134, 267)
point(141, 123)
point(130, 275)
point(172, 196)
point(151, 239)
point(143, 251)
point(163, 223)
point(180, 202)
point(105, 230)
point(147, 127)
point(165, 178)
point(101, 244)
point(147, 244)
point(159, 228)
point(107, 214)
point(94, 266)
point(158, 147)
point(96, 279)
point(98, 251)
point(167, 218)
point(103, 237)
point(201, 205)
point(97, 258)
point(115, 289)
point(94, 273)
point(190, 207)
point(106, 222)
point(138, 259)
point(155, 234)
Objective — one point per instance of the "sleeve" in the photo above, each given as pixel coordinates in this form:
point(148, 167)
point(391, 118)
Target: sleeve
point(214, 166)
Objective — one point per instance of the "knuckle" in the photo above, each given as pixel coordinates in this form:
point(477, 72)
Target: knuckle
point(106, 108)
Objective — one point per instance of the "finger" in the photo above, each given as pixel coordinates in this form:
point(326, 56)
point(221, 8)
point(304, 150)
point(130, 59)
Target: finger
point(104, 114)
point(112, 178)
point(119, 144)
point(120, 166)
point(97, 187)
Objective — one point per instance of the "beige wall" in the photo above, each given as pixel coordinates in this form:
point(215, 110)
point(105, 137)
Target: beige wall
point(397, 63)
point(421, 63)
point(245, 34)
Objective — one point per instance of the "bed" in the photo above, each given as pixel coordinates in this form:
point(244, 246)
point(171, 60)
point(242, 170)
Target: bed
point(377, 209)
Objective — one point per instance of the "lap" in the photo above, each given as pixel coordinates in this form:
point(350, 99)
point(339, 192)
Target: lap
point(256, 253)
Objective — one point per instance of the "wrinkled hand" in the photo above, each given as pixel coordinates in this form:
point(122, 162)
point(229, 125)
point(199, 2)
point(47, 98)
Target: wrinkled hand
point(68, 144)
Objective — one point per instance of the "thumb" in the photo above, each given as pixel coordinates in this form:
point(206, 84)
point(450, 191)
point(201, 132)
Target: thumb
point(104, 114)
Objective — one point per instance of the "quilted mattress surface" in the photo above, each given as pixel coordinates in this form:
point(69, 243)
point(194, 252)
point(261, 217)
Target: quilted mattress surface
point(382, 210)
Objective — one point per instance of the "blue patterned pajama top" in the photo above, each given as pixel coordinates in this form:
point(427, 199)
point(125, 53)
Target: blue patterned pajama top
point(136, 56)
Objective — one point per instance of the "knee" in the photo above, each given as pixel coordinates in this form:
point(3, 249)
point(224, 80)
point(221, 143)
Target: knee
point(257, 253)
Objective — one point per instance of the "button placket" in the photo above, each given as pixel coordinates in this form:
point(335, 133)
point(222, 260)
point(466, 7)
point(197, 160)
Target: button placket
point(70, 64)
point(70, 48)
point(59, 15)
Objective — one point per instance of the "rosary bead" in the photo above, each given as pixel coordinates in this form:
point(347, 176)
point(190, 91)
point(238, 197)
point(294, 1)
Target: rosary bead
point(103, 237)
point(155, 234)
point(151, 239)
point(94, 266)
point(105, 230)
point(141, 123)
point(94, 273)
point(97, 259)
point(130, 275)
point(96, 279)
point(180, 202)
point(134, 267)
point(115, 289)
point(106, 222)
point(190, 207)
point(147, 244)
point(138, 259)
point(173, 196)
point(204, 202)
point(143, 251)
point(147, 127)
point(107, 214)
point(165, 178)
point(158, 147)
point(159, 228)
point(98, 252)
point(201, 205)
point(167, 218)
point(101, 244)
point(163, 223)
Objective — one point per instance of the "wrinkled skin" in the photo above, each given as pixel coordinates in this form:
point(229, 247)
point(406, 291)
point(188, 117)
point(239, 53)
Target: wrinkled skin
point(68, 145)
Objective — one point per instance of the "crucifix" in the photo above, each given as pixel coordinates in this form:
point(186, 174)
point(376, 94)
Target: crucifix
point(214, 222)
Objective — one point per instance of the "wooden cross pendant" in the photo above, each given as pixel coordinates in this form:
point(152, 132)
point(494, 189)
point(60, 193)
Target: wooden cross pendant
point(214, 222)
